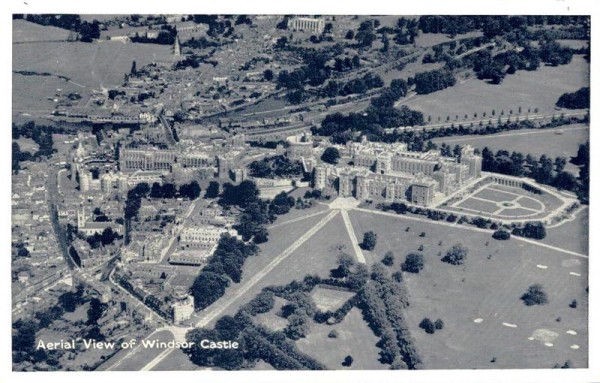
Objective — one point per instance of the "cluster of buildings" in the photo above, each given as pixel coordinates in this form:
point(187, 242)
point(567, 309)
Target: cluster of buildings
point(36, 257)
point(392, 173)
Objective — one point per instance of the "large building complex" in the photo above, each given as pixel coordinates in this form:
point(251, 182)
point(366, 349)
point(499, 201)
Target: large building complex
point(391, 173)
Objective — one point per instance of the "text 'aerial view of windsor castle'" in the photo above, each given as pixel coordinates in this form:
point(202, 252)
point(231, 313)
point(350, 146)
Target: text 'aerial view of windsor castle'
point(291, 192)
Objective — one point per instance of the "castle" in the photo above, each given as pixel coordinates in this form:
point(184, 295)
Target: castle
point(392, 173)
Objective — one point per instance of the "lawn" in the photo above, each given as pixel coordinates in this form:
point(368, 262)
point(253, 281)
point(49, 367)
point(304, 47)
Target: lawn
point(26, 32)
point(23, 99)
point(538, 89)
point(355, 338)
point(94, 65)
point(270, 319)
point(571, 235)
point(487, 288)
point(555, 142)
point(317, 255)
point(328, 299)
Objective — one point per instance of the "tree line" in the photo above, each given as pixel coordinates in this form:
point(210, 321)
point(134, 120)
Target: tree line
point(88, 32)
point(544, 170)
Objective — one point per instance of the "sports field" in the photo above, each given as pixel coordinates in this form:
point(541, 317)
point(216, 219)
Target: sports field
point(538, 89)
point(479, 301)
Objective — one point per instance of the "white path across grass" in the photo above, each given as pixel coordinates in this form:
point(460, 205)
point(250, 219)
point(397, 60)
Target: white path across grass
point(298, 219)
point(357, 250)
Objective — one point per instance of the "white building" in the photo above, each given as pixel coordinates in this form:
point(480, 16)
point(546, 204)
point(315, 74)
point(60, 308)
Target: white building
point(183, 306)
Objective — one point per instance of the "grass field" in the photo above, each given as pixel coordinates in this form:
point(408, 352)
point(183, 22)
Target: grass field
point(270, 319)
point(486, 288)
point(42, 98)
point(431, 39)
point(27, 145)
point(94, 65)
point(555, 142)
point(26, 32)
point(329, 299)
point(538, 89)
point(355, 338)
point(318, 255)
point(573, 235)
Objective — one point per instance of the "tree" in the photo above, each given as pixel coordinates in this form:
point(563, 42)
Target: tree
point(96, 311)
point(190, 191)
point(413, 263)
point(281, 204)
point(268, 74)
point(501, 235)
point(133, 71)
point(331, 155)
point(24, 339)
point(388, 259)
point(262, 303)
point(427, 325)
point(207, 288)
point(439, 324)
point(456, 255)
point(369, 240)
point(347, 361)
point(535, 295)
point(534, 230)
point(212, 191)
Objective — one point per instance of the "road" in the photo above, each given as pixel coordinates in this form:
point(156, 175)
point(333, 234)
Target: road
point(167, 127)
point(357, 250)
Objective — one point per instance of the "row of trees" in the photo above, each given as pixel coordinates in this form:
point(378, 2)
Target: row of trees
point(107, 238)
point(88, 32)
point(382, 301)
point(544, 170)
point(360, 85)
point(255, 343)
point(492, 26)
point(432, 81)
point(530, 230)
point(224, 265)
point(168, 190)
